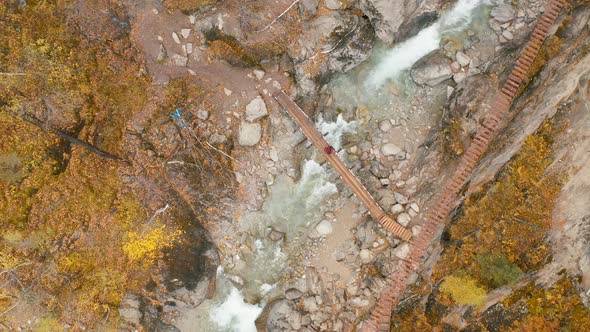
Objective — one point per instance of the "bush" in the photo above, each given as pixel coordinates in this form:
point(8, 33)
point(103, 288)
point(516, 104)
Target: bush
point(496, 270)
point(464, 290)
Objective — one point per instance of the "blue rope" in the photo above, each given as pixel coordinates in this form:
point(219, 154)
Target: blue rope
point(178, 117)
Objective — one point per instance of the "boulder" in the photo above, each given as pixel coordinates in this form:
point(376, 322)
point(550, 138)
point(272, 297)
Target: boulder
point(333, 4)
point(249, 134)
point(397, 208)
point(432, 70)
point(310, 304)
point(324, 228)
point(366, 256)
point(256, 109)
point(385, 126)
point(293, 293)
point(503, 13)
point(463, 59)
point(308, 8)
point(274, 316)
point(331, 43)
point(203, 114)
point(129, 310)
point(390, 149)
point(403, 219)
point(402, 250)
point(386, 16)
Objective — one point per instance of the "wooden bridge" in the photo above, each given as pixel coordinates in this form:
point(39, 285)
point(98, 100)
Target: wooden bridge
point(314, 136)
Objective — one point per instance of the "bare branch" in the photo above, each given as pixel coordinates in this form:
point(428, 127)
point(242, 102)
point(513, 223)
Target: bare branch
point(281, 15)
point(13, 74)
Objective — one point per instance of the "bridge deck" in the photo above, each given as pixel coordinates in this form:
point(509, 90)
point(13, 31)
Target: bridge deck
point(312, 134)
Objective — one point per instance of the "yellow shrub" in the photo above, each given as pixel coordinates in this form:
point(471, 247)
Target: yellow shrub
point(464, 290)
point(148, 246)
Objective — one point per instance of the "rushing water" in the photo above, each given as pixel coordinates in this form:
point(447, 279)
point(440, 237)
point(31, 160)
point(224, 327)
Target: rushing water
point(382, 83)
point(404, 55)
point(335, 130)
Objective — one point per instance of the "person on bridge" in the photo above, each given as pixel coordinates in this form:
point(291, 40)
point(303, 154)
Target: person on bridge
point(329, 149)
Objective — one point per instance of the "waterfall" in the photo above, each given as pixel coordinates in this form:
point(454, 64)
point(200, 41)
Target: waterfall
point(404, 55)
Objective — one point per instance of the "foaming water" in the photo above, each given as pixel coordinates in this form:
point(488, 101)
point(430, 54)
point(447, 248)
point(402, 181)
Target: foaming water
point(335, 130)
point(291, 206)
point(235, 315)
point(404, 55)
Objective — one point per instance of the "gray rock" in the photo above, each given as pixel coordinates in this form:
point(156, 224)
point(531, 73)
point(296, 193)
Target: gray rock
point(357, 302)
point(324, 227)
point(432, 70)
point(308, 8)
point(503, 13)
point(415, 207)
point(402, 250)
point(217, 138)
point(390, 149)
point(455, 66)
point(403, 219)
point(385, 126)
point(294, 319)
point(185, 33)
point(274, 316)
point(386, 198)
point(333, 4)
point(386, 16)
point(129, 310)
point(256, 109)
point(176, 38)
point(463, 59)
point(459, 77)
point(274, 155)
point(508, 35)
point(258, 73)
point(203, 114)
point(249, 134)
point(179, 60)
point(161, 53)
point(312, 281)
point(366, 256)
point(310, 304)
point(397, 208)
point(401, 198)
point(275, 235)
point(293, 293)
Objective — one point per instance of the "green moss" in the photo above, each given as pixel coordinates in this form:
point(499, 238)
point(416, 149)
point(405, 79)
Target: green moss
point(495, 270)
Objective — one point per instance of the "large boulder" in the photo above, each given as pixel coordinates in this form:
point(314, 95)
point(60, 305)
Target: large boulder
point(332, 43)
point(276, 316)
point(432, 70)
point(503, 13)
point(386, 16)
